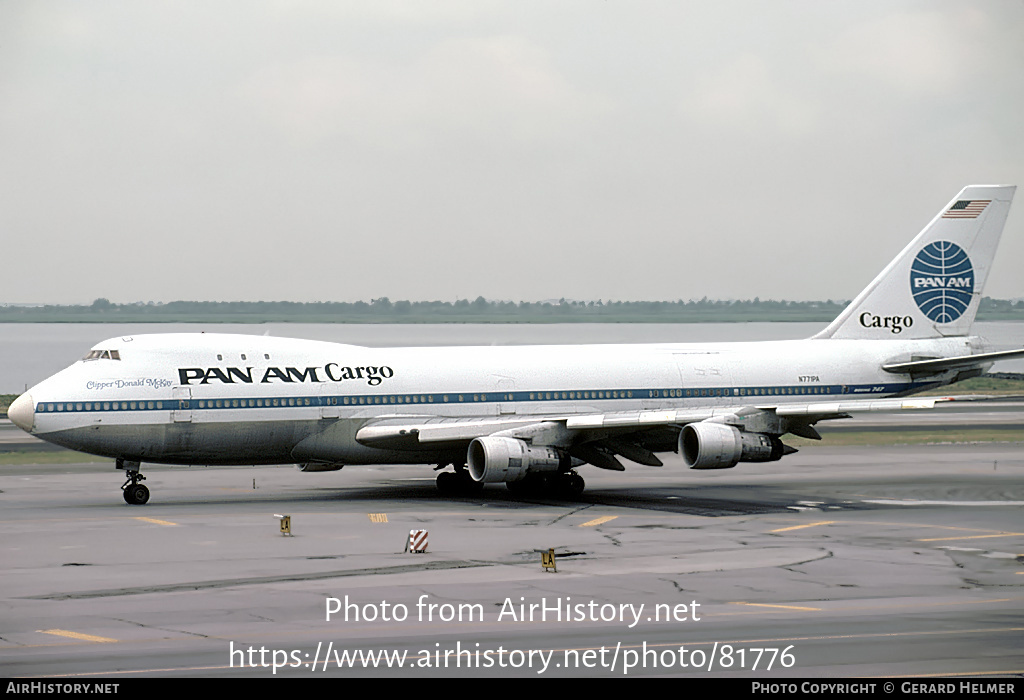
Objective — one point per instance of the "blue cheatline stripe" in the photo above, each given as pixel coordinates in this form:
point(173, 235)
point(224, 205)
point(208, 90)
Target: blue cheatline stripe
point(743, 394)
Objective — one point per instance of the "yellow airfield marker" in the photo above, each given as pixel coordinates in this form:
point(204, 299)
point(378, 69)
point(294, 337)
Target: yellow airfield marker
point(598, 521)
point(77, 635)
point(801, 527)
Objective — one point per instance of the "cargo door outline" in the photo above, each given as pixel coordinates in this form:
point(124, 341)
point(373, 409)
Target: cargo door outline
point(329, 402)
point(506, 386)
point(707, 375)
point(181, 404)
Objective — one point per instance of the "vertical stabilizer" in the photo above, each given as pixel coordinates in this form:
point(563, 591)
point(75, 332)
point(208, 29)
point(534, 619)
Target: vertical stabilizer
point(933, 287)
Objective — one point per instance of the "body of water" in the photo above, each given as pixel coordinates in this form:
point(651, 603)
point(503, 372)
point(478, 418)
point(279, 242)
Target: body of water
point(30, 352)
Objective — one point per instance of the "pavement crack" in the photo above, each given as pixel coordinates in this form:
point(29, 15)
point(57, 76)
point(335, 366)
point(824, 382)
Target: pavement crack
point(256, 580)
point(675, 584)
point(162, 629)
point(571, 512)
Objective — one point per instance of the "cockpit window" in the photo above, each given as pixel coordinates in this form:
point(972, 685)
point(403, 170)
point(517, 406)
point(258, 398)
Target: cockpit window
point(103, 355)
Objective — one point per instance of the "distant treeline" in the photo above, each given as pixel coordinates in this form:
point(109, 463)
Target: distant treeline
point(481, 310)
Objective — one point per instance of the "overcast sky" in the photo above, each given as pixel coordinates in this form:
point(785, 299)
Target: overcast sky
point(330, 150)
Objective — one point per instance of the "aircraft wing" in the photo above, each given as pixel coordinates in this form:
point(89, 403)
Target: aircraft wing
point(633, 434)
point(811, 412)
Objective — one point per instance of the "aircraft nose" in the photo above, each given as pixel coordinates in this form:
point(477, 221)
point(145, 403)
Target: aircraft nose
point(23, 412)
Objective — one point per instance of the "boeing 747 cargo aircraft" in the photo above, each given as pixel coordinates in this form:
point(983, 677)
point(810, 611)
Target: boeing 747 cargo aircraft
point(531, 416)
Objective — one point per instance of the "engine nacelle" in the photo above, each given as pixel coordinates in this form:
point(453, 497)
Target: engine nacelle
point(497, 459)
point(319, 466)
point(719, 446)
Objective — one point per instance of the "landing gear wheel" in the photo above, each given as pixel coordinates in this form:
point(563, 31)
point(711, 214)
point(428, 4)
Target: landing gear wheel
point(447, 483)
point(571, 485)
point(458, 483)
point(468, 487)
point(530, 486)
point(136, 495)
point(516, 488)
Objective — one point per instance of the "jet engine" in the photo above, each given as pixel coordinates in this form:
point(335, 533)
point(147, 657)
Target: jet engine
point(719, 446)
point(497, 459)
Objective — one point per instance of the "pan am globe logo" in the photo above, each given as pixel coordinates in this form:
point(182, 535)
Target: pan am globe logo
point(942, 281)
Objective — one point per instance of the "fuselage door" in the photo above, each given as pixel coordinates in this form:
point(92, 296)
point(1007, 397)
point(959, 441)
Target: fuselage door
point(329, 400)
point(506, 386)
point(181, 404)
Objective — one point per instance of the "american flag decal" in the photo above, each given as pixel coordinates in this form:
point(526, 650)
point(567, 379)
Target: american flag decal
point(966, 209)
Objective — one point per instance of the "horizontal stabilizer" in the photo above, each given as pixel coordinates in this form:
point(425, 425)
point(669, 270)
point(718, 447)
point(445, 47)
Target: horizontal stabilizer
point(943, 364)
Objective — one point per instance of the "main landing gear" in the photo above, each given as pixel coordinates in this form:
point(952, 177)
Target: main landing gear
point(458, 482)
point(135, 493)
point(568, 485)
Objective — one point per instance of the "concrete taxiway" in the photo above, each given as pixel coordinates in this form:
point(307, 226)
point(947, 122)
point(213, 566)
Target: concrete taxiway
point(864, 561)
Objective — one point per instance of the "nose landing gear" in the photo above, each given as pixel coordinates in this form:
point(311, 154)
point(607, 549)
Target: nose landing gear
point(135, 493)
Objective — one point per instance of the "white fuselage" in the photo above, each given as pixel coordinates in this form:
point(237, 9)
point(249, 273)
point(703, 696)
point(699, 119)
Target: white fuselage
point(235, 399)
